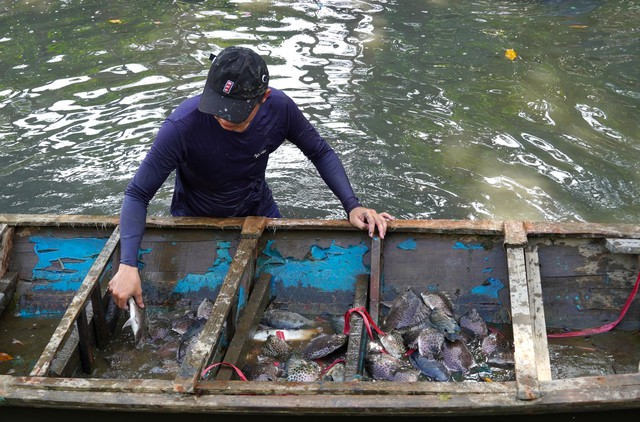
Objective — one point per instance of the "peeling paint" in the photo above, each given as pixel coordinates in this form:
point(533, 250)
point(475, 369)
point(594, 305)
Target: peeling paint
point(329, 269)
point(469, 246)
point(213, 278)
point(64, 263)
point(490, 287)
point(408, 245)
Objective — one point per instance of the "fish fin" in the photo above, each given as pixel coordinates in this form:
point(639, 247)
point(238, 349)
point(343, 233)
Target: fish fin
point(128, 323)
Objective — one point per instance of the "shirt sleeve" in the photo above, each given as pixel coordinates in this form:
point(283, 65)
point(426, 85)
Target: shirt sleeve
point(322, 155)
point(155, 168)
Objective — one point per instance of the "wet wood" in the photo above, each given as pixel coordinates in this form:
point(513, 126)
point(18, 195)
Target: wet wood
point(629, 246)
point(101, 330)
point(247, 326)
point(375, 295)
point(80, 300)
point(524, 349)
point(6, 243)
point(84, 342)
point(8, 284)
point(358, 340)
point(541, 346)
point(208, 341)
point(514, 233)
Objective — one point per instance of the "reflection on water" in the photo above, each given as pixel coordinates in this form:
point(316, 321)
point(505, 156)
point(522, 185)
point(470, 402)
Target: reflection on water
point(417, 97)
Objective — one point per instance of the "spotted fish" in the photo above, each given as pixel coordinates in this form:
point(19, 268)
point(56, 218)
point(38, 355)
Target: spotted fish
point(384, 367)
point(276, 347)
point(429, 342)
point(445, 323)
point(438, 299)
point(473, 325)
point(393, 343)
point(286, 320)
point(323, 345)
point(302, 370)
point(262, 371)
point(406, 310)
point(494, 341)
point(457, 357)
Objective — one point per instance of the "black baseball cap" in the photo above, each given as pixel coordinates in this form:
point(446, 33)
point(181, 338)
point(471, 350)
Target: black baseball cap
point(237, 80)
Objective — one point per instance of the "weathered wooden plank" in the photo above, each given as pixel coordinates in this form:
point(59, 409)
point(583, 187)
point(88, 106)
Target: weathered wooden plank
point(522, 320)
point(8, 284)
point(629, 246)
point(101, 331)
point(77, 306)
point(375, 295)
point(84, 342)
point(193, 364)
point(514, 233)
point(6, 243)
point(543, 363)
point(420, 399)
point(356, 345)
point(583, 229)
point(247, 326)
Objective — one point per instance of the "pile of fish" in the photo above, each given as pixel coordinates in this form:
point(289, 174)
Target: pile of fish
point(424, 339)
point(420, 338)
point(298, 349)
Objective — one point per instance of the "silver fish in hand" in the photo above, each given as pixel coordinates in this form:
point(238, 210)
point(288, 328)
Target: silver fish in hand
point(137, 321)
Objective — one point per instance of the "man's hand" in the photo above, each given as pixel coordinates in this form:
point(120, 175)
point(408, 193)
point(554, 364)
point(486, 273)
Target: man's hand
point(368, 219)
point(124, 284)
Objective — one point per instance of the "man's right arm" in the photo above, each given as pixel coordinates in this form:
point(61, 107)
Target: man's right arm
point(155, 168)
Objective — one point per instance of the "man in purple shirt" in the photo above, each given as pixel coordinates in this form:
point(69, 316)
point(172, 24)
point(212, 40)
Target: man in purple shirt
point(219, 144)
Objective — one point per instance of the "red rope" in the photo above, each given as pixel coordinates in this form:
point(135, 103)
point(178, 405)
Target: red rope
point(238, 371)
point(368, 321)
point(605, 327)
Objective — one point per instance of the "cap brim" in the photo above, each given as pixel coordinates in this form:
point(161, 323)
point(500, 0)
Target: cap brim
point(234, 110)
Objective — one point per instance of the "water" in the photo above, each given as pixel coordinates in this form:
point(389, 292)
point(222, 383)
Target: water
point(417, 97)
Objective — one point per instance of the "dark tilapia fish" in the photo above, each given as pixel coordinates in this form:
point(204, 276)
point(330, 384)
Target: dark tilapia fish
point(434, 369)
point(445, 323)
point(286, 320)
point(503, 359)
point(262, 371)
point(189, 338)
point(429, 342)
point(438, 299)
point(336, 372)
point(204, 309)
point(323, 345)
point(457, 357)
point(384, 367)
point(276, 347)
point(301, 370)
point(498, 351)
point(393, 343)
point(473, 325)
point(494, 342)
point(406, 310)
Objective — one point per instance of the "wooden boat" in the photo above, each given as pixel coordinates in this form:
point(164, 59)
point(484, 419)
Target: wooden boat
point(529, 278)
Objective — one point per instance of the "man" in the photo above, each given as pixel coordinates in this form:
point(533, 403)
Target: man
point(219, 143)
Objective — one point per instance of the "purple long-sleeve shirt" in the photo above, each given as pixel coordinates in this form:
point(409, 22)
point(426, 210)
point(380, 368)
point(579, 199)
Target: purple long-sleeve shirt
point(221, 173)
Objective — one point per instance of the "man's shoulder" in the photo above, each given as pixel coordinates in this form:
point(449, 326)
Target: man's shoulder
point(187, 106)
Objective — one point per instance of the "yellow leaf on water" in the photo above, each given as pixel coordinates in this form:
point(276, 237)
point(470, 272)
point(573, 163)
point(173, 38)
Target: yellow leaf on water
point(510, 54)
point(115, 21)
point(4, 356)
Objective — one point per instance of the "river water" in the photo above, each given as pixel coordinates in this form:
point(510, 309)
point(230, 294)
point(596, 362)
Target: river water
point(418, 97)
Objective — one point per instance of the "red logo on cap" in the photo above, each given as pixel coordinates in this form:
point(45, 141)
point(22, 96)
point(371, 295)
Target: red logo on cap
point(227, 87)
